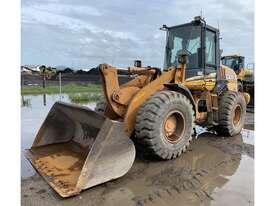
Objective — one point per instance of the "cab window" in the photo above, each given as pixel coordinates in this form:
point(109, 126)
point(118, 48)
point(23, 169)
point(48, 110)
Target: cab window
point(210, 48)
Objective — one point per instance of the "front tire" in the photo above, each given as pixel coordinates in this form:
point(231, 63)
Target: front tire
point(164, 124)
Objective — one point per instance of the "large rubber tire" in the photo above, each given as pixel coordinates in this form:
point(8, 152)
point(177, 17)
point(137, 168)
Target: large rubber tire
point(153, 115)
point(232, 111)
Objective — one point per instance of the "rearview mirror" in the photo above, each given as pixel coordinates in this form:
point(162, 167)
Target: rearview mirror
point(182, 56)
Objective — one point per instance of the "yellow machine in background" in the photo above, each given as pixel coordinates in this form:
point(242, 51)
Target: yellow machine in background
point(245, 76)
point(77, 148)
point(237, 62)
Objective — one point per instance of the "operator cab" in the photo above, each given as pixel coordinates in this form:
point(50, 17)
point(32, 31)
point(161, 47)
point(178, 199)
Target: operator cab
point(199, 41)
point(235, 62)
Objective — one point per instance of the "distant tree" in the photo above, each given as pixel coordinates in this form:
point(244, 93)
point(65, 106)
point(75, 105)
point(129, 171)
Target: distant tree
point(94, 71)
point(68, 71)
point(80, 72)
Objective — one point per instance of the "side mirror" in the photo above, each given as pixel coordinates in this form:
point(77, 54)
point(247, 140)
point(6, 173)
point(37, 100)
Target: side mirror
point(182, 56)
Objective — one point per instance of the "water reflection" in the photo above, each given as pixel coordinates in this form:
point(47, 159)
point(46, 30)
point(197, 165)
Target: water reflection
point(194, 178)
point(25, 102)
point(44, 99)
point(32, 116)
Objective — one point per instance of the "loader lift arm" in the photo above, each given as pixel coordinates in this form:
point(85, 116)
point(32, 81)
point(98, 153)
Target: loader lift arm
point(123, 101)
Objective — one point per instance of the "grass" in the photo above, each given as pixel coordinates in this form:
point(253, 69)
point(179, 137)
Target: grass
point(85, 97)
point(70, 88)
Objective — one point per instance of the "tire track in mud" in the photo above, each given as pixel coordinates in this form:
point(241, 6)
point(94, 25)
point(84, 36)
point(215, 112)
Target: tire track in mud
point(190, 182)
point(186, 181)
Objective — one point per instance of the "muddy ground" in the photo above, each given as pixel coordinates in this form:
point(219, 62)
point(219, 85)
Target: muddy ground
point(214, 171)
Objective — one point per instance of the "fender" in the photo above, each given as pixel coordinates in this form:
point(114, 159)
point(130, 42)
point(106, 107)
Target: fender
point(184, 90)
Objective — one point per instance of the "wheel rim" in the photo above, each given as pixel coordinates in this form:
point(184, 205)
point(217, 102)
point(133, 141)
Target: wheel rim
point(174, 126)
point(237, 115)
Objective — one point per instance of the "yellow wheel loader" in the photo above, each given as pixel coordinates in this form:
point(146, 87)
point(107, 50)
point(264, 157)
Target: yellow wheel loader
point(77, 148)
point(237, 62)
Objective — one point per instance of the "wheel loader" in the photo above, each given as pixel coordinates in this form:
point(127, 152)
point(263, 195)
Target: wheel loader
point(245, 76)
point(237, 62)
point(77, 148)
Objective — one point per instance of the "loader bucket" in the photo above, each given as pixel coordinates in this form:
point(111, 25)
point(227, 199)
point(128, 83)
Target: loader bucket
point(76, 148)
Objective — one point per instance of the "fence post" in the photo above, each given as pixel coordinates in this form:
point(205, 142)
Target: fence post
point(44, 99)
point(44, 80)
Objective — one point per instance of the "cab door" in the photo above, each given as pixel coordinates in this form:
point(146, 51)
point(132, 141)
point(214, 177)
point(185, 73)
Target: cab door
point(211, 58)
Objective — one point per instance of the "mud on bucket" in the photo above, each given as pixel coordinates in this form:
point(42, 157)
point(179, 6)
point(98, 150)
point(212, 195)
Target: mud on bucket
point(76, 148)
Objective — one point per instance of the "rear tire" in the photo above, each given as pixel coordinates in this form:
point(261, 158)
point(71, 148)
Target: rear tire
point(164, 124)
point(232, 110)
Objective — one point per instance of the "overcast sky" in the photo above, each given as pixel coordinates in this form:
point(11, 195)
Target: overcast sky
point(83, 33)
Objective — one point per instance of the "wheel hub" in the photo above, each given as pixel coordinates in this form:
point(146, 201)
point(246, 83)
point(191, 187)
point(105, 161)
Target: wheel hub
point(237, 115)
point(174, 126)
point(170, 125)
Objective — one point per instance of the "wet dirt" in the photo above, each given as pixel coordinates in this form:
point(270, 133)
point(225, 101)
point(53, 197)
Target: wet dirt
point(214, 171)
point(59, 164)
point(249, 121)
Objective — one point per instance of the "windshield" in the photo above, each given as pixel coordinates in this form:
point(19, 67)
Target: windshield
point(235, 63)
point(186, 38)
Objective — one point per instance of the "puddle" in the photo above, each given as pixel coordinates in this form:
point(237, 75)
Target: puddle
point(34, 109)
point(248, 136)
point(208, 174)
